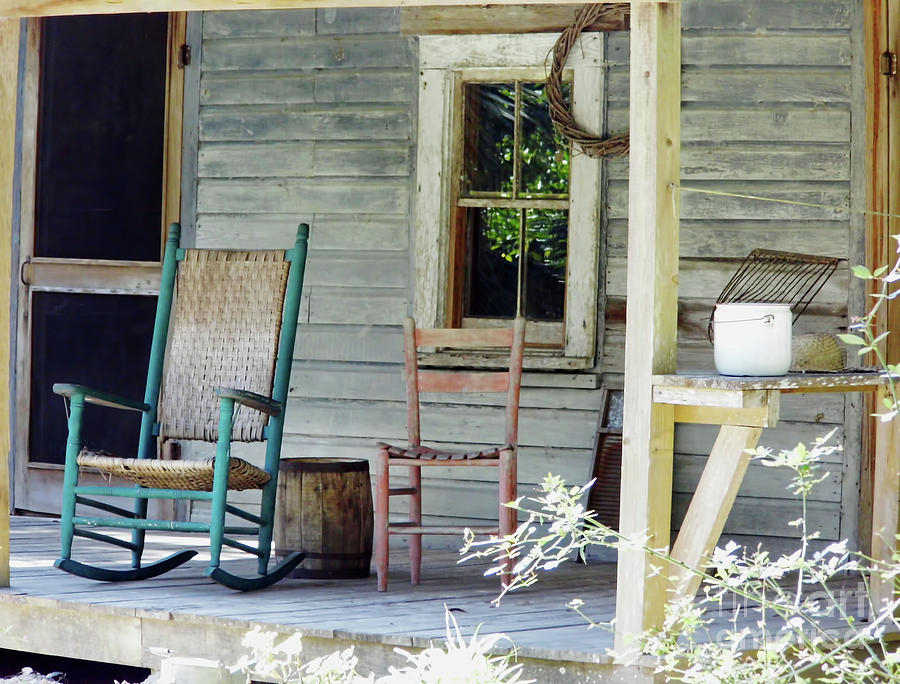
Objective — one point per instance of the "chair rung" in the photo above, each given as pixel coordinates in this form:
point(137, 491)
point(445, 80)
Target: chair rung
point(402, 490)
point(241, 513)
point(109, 508)
point(412, 528)
point(242, 547)
point(105, 538)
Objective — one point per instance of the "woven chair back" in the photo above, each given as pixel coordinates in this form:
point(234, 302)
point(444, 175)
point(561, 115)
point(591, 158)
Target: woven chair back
point(226, 322)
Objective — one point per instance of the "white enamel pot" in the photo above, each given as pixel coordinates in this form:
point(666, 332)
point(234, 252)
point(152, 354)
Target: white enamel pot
point(752, 338)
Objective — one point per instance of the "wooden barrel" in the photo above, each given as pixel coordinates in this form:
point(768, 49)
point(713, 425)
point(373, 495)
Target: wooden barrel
point(324, 507)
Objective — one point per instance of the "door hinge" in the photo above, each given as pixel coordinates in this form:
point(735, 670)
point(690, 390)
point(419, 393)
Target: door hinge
point(889, 63)
point(184, 56)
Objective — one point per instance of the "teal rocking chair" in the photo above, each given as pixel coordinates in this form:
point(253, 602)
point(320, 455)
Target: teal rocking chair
point(229, 320)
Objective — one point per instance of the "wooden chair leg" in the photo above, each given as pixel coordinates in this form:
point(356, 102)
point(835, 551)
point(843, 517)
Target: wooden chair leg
point(382, 504)
point(508, 517)
point(415, 516)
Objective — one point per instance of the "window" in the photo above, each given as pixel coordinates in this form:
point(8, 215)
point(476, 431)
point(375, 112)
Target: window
point(513, 201)
point(507, 220)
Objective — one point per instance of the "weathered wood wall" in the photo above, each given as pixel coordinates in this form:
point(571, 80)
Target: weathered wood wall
point(310, 116)
point(766, 110)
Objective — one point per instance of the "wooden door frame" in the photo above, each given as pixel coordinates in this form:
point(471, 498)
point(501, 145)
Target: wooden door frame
point(881, 21)
point(95, 276)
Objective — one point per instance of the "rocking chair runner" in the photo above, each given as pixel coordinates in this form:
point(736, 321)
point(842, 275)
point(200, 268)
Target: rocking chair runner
point(234, 323)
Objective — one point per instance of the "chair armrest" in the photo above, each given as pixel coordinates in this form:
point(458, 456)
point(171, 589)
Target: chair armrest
point(93, 396)
point(253, 400)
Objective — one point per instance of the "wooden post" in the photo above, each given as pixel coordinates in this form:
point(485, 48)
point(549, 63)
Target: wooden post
point(651, 321)
point(884, 503)
point(711, 503)
point(9, 72)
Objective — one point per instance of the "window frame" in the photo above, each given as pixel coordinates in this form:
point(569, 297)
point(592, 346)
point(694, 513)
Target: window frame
point(445, 63)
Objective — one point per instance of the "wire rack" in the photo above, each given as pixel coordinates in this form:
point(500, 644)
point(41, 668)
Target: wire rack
point(767, 275)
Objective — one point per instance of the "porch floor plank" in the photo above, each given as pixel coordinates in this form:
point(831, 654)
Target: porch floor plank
point(535, 618)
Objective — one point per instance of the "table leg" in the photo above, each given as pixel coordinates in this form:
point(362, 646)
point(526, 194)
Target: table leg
point(886, 488)
point(711, 503)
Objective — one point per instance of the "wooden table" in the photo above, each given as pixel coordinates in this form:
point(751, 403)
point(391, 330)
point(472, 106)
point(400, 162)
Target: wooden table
point(743, 406)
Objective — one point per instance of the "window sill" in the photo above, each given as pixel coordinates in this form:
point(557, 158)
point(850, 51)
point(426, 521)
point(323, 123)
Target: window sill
point(533, 360)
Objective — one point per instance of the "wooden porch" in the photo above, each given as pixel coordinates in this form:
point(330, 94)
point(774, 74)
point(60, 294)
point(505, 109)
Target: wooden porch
point(186, 614)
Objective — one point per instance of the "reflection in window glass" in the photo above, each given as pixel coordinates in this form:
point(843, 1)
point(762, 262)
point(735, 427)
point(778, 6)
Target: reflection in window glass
point(515, 184)
point(493, 263)
point(544, 153)
point(490, 132)
point(547, 233)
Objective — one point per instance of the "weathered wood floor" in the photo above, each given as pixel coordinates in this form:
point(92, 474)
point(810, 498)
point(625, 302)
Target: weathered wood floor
point(185, 613)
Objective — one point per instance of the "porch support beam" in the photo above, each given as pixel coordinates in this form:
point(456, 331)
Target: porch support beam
point(9, 71)
point(651, 319)
point(46, 8)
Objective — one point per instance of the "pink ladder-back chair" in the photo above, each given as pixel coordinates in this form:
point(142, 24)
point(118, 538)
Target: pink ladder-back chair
point(414, 456)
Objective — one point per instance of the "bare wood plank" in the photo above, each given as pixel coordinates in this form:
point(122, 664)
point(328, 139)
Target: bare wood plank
point(304, 122)
point(371, 232)
point(711, 504)
point(773, 160)
point(774, 14)
point(652, 325)
point(357, 20)
point(323, 52)
point(768, 517)
point(513, 19)
point(432, 199)
point(359, 306)
point(434, 381)
point(749, 124)
point(796, 48)
point(499, 51)
point(736, 239)
point(700, 396)
point(83, 275)
point(24, 8)
point(315, 380)
point(761, 416)
point(886, 489)
point(463, 338)
point(878, 246)
point(760, 87)
point(832, 200)
point(796, 382)
point(585, 212)
point(260, 24)
point(384, 196)
point(440, 423)
point(759, 481)
point(174, 124)
point(335, 85)
point(704, 279)
point(9, 83)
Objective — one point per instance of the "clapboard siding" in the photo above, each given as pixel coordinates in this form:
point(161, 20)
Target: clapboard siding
point(729, 47)
point(766, 111)
point(309, 115)
point(305, 88)
point(735, 239)
point(365, 232)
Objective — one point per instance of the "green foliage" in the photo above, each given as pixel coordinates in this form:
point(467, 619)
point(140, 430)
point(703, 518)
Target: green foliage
point(786, 643)
point(544, 157)
point(458, 661)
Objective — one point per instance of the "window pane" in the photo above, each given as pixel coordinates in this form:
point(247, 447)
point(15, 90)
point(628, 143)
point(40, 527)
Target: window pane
point(489, 135)
point(493, 263)
point(545, 155)
point(547, 232)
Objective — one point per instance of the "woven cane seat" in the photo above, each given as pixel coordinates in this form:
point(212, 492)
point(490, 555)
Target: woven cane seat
point(428, 454)
point(193, 475)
